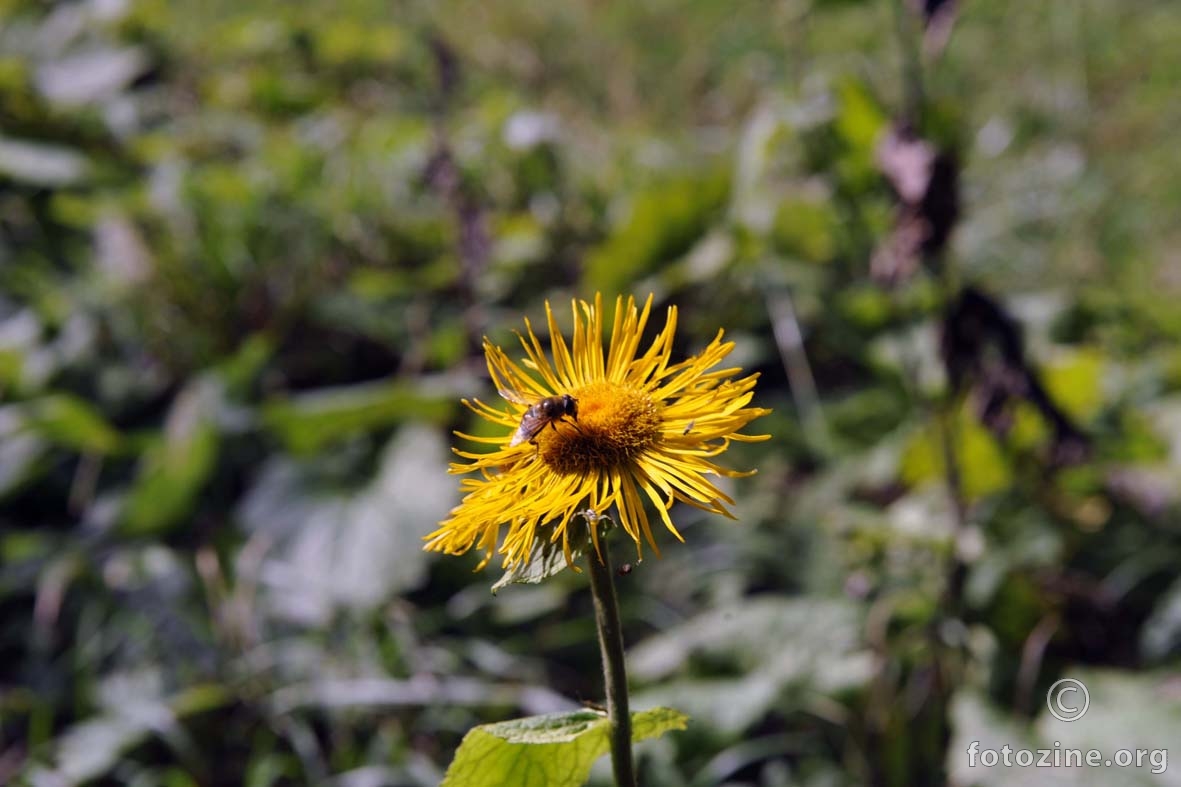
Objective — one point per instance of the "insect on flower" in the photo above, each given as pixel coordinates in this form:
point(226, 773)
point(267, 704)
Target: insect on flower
point(548, 412)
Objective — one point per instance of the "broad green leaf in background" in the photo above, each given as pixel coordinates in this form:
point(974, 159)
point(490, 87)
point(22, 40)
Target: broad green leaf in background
point(859, 122)
point(343, 40)
point(90, 748)
point(23, 455)
point(240, 370)
point(134, 709)
point(806, 229)
point(68, 421)
point(664, 222)
point(175, 467)
point(771, 644)
point(11, 362)
point(90, 76)
point(348, 549)
point(983, 467)
point(1075, 382)
point(42, 164)
point(310, 421)
point(555, 750)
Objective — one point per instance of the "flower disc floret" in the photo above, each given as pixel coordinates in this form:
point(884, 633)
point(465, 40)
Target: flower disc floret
point(615, 425)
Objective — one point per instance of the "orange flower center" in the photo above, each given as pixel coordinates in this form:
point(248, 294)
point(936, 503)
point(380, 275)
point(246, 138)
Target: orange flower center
point(614, 425)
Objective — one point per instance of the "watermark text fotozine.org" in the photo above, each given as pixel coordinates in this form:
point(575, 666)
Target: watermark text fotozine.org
point(1068, 700)
point(1156, 760)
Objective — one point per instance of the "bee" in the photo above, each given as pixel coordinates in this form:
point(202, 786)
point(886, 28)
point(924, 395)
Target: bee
point(547, 412)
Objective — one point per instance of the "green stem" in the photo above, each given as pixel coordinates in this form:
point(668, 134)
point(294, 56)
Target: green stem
point(614, 671)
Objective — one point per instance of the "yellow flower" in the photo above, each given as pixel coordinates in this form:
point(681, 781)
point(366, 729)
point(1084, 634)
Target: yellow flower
point(638, 427)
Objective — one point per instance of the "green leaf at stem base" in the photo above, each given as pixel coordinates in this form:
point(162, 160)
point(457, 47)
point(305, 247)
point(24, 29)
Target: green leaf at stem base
point(554, 750)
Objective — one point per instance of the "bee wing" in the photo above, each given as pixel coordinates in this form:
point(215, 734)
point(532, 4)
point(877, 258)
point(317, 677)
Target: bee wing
point(514, 397)
point(530, 426)
point(519, 436)
point(530, 423)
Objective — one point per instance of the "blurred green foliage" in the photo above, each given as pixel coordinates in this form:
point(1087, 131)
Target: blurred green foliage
point(248, 252)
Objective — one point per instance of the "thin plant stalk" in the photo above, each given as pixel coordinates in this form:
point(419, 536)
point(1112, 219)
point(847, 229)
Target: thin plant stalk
point(789, 338)
point(602, 581)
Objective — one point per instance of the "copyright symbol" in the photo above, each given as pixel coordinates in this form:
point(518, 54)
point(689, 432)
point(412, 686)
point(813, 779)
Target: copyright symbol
point(1068, 699)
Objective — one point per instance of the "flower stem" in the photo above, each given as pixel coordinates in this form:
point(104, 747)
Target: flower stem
point(614, 671)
